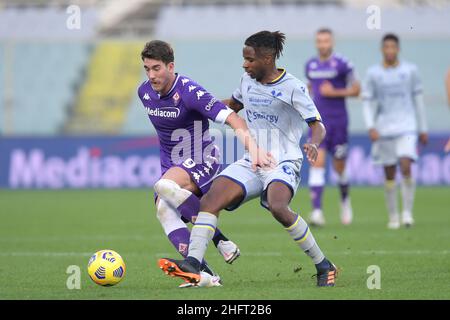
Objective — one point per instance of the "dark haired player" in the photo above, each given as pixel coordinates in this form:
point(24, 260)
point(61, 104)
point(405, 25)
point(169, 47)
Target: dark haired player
point(394, 113)
point(331, 79)
point(173, 103)
point(275, 103)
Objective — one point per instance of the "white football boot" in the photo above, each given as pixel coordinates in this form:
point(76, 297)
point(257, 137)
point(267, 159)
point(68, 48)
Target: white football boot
point(206, 281)
point(346, 211)
point(407, 219)
point(394, 222)
point(316, 218)
point(229, 250)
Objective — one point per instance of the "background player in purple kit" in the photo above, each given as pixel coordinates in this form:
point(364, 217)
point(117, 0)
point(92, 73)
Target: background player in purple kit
point(179, 109)
point(331, 79)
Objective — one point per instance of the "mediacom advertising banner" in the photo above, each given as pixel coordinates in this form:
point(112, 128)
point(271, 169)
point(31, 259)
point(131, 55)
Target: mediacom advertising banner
point(133, 162)
point(72, 162)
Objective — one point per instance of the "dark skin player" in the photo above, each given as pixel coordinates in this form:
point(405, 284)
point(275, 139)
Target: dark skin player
point(260, 53)
point(260, 65)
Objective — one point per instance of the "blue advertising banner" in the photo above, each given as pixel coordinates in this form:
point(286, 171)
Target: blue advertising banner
point(133, 162)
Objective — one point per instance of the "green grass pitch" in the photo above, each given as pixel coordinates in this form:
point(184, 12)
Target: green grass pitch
point(44, 232)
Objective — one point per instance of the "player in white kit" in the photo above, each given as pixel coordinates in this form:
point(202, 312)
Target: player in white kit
point(274, 103)
point(394, 113)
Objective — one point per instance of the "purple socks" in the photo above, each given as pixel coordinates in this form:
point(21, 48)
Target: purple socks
point(344, 188)
point(316, 196)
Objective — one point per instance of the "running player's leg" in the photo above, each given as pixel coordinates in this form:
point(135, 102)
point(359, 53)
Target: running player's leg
point(223, 193)
point(316, 182)
point(339, 165)
point(407, 154)
point(339, 148)
point(174, 228)
point(384, 153)
point(390, 191)
point(177, 188)
point(279, 196)
point(408, 189)
point(235, 185)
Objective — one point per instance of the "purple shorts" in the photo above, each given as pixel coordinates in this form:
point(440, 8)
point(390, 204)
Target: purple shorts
point(202, 173)
point(336, 139)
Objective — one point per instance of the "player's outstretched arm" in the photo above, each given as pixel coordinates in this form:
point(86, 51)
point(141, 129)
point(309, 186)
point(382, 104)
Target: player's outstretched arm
point(317, 135)
point(260, 158)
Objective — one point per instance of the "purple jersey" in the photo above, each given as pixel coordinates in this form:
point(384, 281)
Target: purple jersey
point(337, 70)
point(181, 120)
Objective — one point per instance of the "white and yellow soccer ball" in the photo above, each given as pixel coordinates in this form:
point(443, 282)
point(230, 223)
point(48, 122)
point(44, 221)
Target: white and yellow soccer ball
point(106, 268)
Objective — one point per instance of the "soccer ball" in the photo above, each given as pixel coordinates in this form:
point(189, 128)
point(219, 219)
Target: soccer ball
point(106, 268)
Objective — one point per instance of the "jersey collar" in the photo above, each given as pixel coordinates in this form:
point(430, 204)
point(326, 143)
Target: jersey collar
point(278, 79)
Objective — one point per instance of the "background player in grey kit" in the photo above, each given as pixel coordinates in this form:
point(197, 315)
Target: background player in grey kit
point(394, 113)
point(331, 79)
point(273, 101)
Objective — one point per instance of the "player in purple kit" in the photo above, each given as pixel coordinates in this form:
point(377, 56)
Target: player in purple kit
point(331, 79)
point(179, 109)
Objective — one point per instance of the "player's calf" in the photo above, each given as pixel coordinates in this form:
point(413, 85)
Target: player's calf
point(282, 213)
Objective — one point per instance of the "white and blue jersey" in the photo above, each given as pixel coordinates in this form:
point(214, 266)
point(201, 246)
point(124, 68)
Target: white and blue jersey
point(274, 113)
point(392, 91)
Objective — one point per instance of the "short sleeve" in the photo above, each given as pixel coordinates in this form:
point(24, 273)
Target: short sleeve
point(237, 94)
point(302, 102)
point(197, 98)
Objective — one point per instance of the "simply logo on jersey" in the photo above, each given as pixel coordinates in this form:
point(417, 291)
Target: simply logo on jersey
point(254, 115)
point(164, 112)
point(146, 96)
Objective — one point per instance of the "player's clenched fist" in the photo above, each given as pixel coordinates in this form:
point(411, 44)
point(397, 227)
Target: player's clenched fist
point(311, 152)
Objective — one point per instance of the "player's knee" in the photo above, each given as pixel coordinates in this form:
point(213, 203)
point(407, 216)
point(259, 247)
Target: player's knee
point(163, 187)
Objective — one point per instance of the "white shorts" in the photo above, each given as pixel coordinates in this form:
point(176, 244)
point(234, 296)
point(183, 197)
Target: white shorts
point(255, 183)
point(387, 151)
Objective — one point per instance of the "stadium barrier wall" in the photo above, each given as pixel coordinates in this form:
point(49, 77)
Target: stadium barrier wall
point(133, 162)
